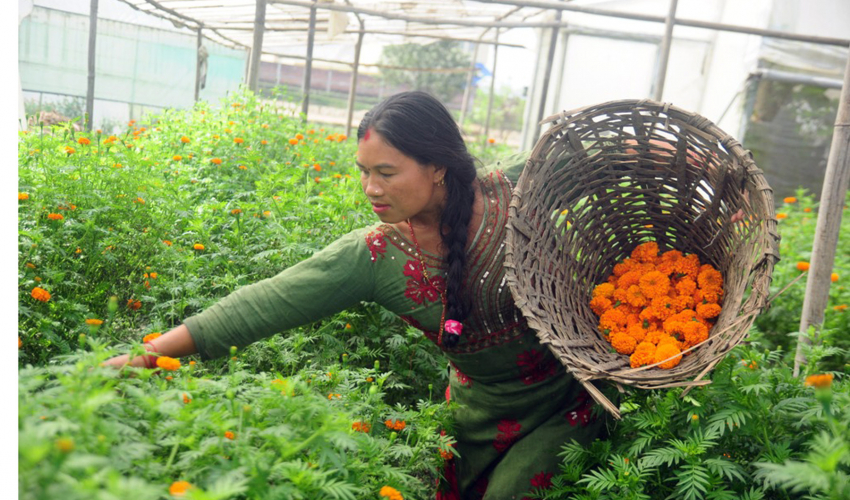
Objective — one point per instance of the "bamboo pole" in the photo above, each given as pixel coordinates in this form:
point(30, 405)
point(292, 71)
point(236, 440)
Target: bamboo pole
point(661, 69)
point(308, 67)
point(92, 65)
point(352, 91)
point(833, 195)
point(198, 65)
point(257, 45)
point(547, 74)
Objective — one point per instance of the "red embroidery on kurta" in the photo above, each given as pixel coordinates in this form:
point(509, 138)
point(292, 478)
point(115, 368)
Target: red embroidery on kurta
point(581, 415)
point(542, 480)
point(376, 243)
point(535, 367)
point(447, 488)
point(508, 434)
point(462, 378)
point(418, 288)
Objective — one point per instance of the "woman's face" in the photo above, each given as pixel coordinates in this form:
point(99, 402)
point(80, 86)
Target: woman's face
point(397, 186)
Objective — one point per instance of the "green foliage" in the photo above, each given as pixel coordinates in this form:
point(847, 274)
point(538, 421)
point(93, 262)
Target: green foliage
point(87, 431)
point(749, 434)
point(444, 54)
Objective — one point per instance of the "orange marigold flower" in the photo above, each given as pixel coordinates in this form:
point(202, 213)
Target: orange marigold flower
point(179, 488)
point(264, 142)
point(833, 277)
point(176, 157)
point(341, 137)
point(803, 266)
point(299, 136)
point(623, 267)
point(23, 196)
point(216, 161)
point(664, 351)
point(623, 343)
point(361, 426)
point(55, 216)
point(151, 336)
point(293, 141)
point(686, 286)
point(790, 199)
point(134, 304)
point(236, 211)
point(229, 435)
point(637, 331)
point(40, 294)
point(185, 140)
point(695, 332)
point(663, 307)
point(707, 295)
point(840, 308)
point(654, 284)
point(710, 278)
point(317, 167)
point(671, 256)
point(603, 290)
point(167, 363)
point(683, 302)
point(85, 141)
point(655, 336)
point(390, 493)
point(781, 216)
point(186, 399)
point(238, 140)
point(198, 246)
point(643, 355)
point(636, 297)
point(708, 311)
point(629, 279)
point(612, 320)
point(167, 243)
point(94, 321)
point(646, 252)
point(599, 305)
point(807, 210)
point(688, 266)
point(819, 381)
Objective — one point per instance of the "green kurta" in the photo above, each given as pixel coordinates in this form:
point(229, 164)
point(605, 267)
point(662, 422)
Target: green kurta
point(518, 406)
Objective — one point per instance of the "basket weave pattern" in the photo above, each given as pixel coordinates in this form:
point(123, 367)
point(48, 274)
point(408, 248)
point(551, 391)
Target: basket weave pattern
point(605, 178)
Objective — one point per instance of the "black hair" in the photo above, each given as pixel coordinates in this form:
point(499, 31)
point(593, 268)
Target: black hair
point(419, 126)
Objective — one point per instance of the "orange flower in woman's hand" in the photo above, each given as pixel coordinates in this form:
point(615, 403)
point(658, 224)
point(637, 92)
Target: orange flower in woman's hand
point(167, 363)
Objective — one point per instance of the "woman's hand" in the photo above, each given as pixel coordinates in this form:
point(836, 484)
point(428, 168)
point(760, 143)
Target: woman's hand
point(177, 342)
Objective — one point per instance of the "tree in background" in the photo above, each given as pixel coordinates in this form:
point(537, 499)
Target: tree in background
point(444, 54)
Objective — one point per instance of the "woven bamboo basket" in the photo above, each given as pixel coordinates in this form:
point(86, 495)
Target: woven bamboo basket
point(603, 179)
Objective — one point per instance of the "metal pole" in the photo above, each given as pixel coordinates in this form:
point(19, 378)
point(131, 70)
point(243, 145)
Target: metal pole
point(92, 41)
point(559, 76)
point(464, 105)
point(661, 69)
point(352, 91)
point(832, 198)
point(492, 87)
point(553, 42)
point(257, 46)
point(198, 65)
point(308, 68)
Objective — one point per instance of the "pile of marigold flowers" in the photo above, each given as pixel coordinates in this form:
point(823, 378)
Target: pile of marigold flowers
point(655, 306)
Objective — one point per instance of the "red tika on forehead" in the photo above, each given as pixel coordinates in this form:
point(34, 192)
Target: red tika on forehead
point(367, 134)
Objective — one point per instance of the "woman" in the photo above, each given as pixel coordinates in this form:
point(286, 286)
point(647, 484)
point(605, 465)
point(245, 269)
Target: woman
point(436, 259)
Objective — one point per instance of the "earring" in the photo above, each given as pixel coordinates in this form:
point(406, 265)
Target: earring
point(442, 181)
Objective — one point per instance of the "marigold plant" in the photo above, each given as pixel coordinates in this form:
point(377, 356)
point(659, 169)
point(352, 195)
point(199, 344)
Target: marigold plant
point(655, 306)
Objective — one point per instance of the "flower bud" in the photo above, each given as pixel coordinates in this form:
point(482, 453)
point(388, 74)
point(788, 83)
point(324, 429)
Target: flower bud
point(233, 350)
point(112, 306)
point(377, 364)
